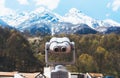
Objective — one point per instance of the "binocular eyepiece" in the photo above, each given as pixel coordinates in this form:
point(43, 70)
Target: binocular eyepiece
point(60, 49)
point(56, 49)
point(59, 45)
point(63, 49)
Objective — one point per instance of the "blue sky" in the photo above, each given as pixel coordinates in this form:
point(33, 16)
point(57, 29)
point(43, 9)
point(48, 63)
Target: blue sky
point(98, 9)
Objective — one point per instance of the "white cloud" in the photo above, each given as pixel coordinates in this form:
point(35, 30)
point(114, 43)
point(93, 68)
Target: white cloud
point(4, 10)
point(51, 4)
point(2, 2)
point(23, 2)
point(115, 5)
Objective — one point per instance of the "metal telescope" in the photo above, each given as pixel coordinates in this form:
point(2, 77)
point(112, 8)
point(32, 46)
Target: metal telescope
point(59, 51)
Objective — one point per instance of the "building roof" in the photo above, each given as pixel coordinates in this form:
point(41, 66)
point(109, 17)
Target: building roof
point(7, 74)
point(29, 75)
point(96, 74)
point(12, 74)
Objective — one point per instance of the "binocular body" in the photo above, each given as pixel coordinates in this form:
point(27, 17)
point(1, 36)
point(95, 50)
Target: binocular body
point(57, 48)
point(60, 45)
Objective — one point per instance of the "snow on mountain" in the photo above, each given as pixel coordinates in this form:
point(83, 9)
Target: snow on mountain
point(3, 24)
point(15, 18)
point(68, 28)
point(39, 20)
point(43, 14)
point(75, 16)
point(110, 22)
point(108, 26)
point(44, 19)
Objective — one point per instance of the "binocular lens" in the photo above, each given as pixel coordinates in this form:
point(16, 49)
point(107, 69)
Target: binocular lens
point(56, 49)
point(63, 49)
point(60, 49)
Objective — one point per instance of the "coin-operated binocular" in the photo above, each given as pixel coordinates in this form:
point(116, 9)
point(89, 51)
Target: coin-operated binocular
point(59, 51)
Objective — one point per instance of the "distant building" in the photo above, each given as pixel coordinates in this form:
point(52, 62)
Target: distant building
point(94, 75)
point(18, 75)
point(7, 74)
point(86, 75)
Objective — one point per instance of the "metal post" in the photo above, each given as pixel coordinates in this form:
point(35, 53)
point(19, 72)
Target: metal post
point(59, 72)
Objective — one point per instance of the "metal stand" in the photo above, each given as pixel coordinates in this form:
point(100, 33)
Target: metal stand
point(59, 72)
point(59, 47)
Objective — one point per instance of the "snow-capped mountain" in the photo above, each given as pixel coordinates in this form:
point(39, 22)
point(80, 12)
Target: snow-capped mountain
point(15, 18)
point(40, 21)
point(41, 13)
point(45, 21)
point(75, 16)
point(68, 28)
point(4, 24)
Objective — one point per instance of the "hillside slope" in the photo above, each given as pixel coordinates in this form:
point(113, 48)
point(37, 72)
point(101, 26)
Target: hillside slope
point(16, 54)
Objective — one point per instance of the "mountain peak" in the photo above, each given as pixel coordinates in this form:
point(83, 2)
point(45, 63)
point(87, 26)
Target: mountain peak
point(74, 10)
point(75, 16)
point(40, 9)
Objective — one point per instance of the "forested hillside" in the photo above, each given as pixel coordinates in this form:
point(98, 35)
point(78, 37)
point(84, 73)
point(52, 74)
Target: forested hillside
point(16, 54)
point(94, 53)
